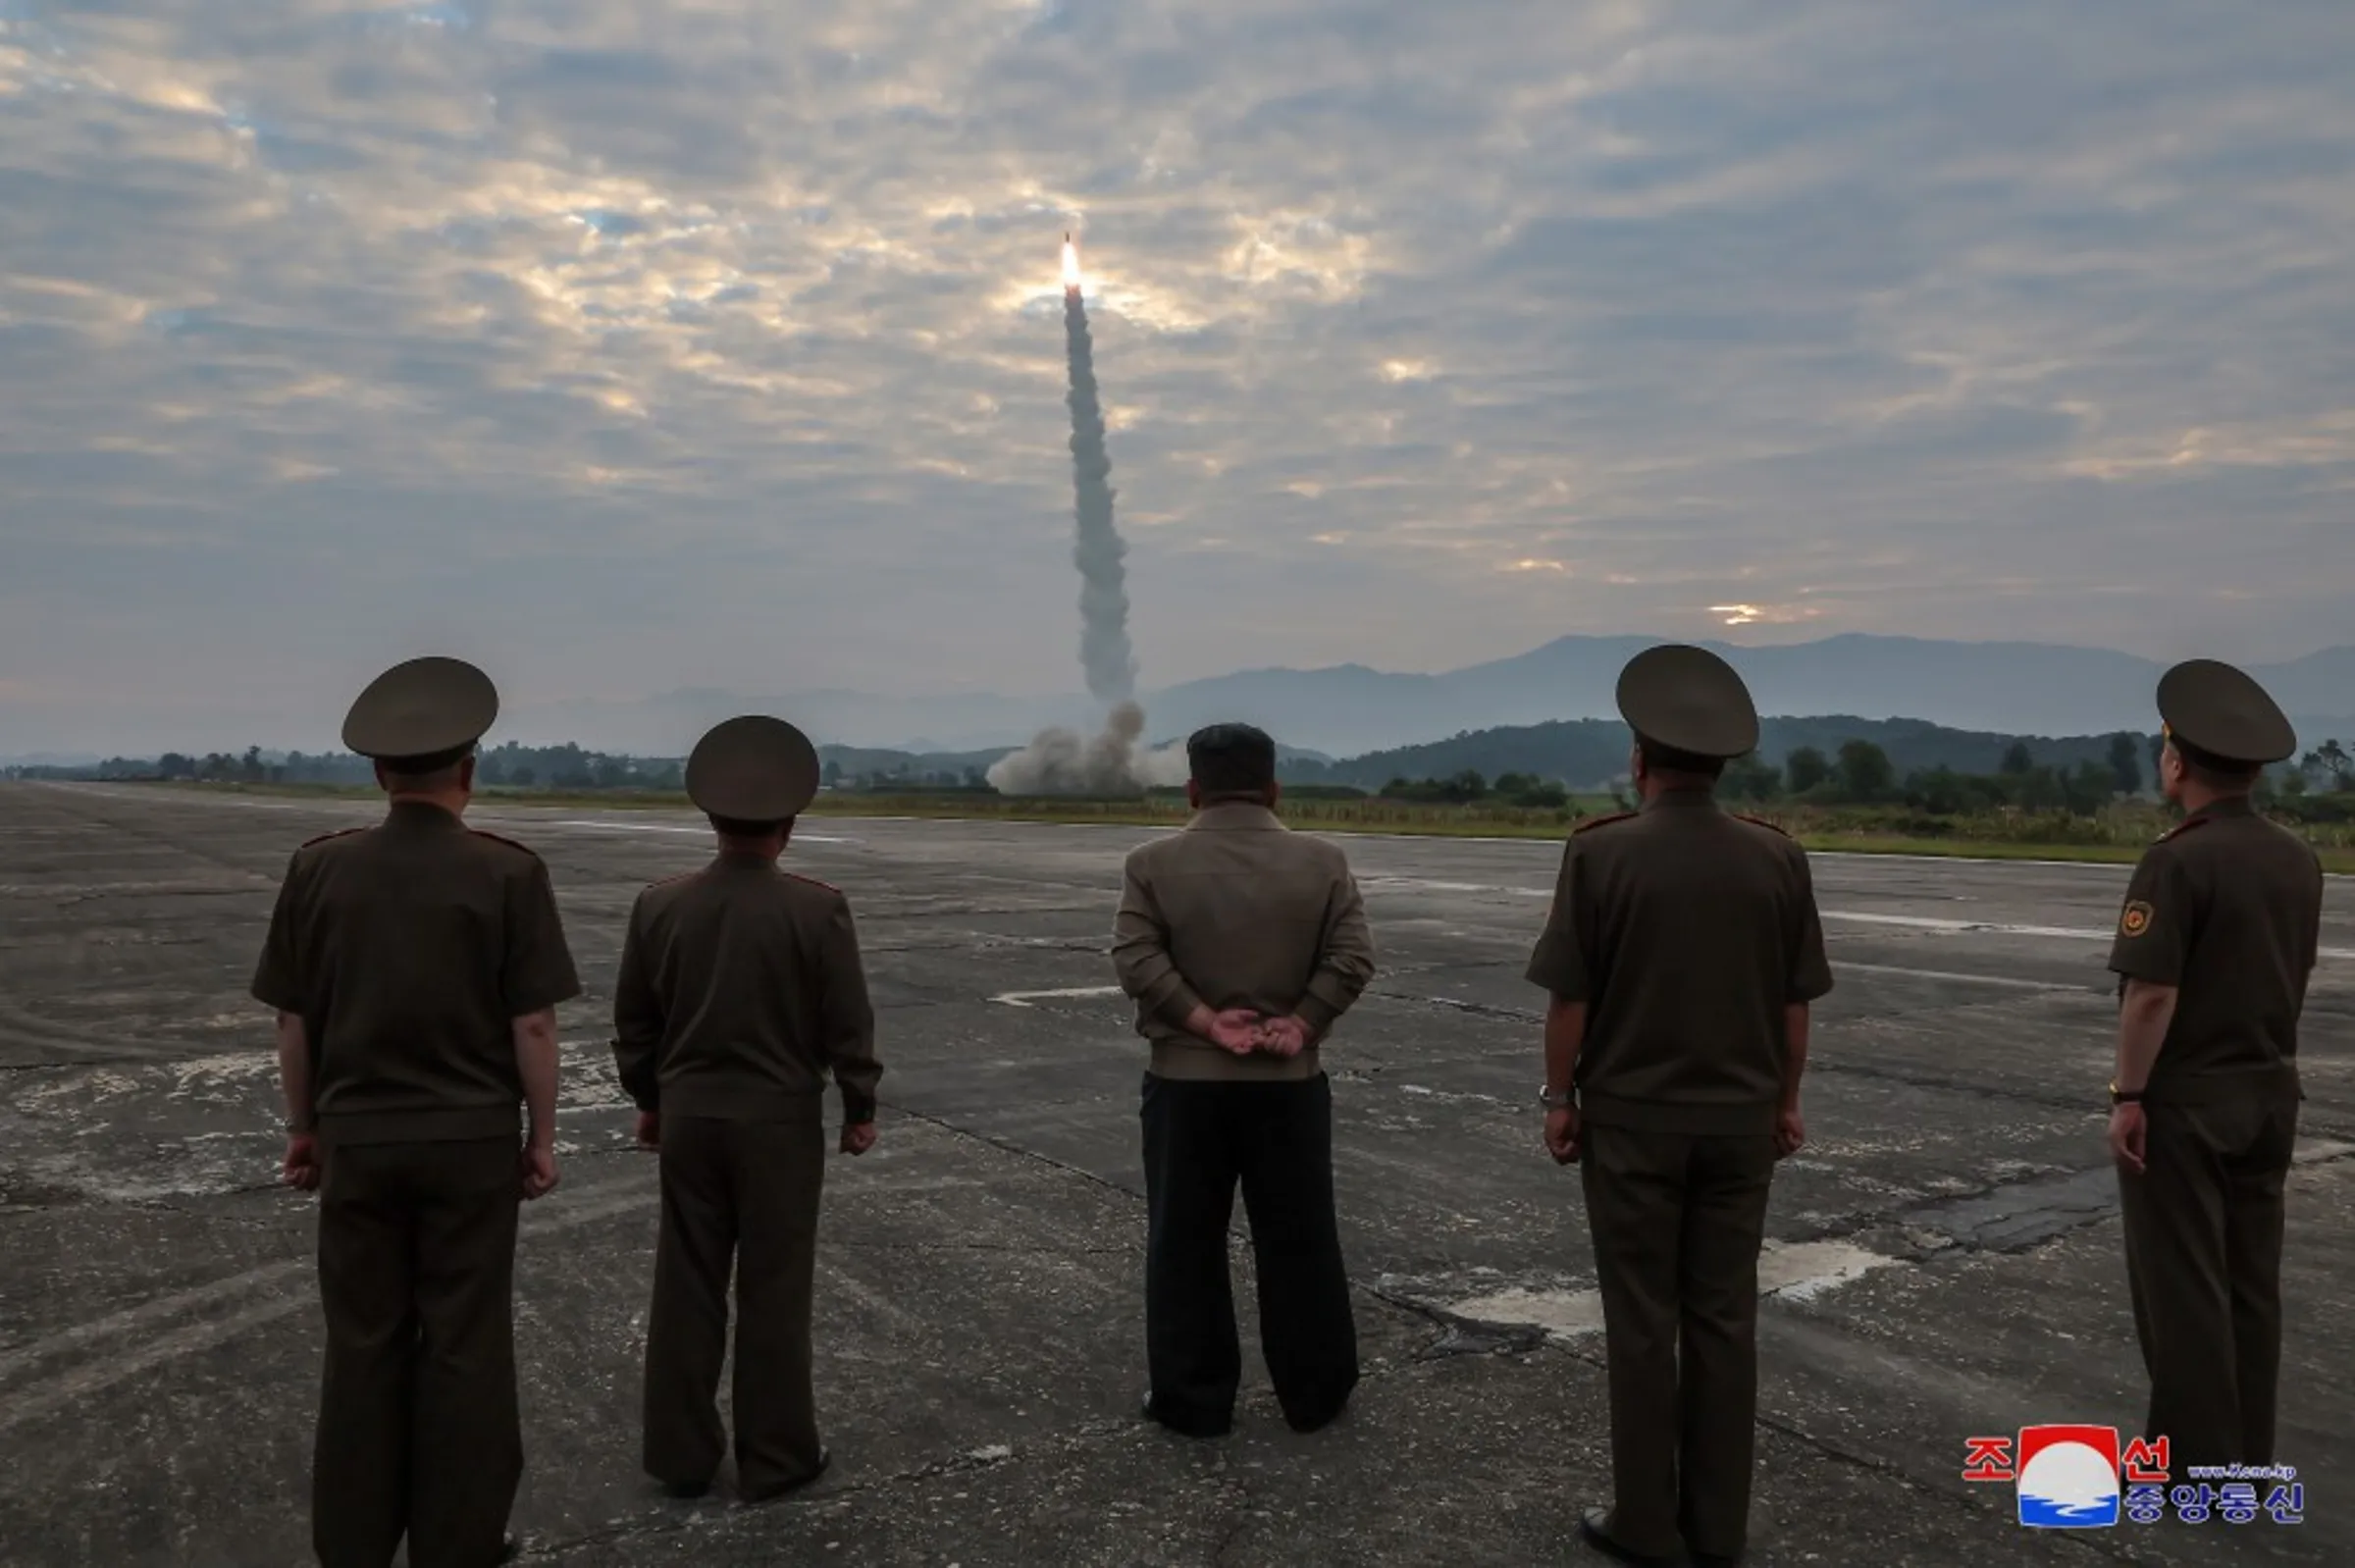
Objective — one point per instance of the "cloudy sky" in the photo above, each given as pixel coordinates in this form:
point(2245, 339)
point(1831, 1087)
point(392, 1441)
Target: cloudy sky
point(627, 346)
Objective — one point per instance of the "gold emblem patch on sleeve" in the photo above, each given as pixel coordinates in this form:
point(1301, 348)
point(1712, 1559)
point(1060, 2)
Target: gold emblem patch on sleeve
point(2136, 919)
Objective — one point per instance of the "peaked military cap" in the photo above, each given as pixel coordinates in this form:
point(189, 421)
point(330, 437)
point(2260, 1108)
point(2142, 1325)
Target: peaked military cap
point(422, 715)
point(752, 769)
point(2214, 708)
point(1687, 700)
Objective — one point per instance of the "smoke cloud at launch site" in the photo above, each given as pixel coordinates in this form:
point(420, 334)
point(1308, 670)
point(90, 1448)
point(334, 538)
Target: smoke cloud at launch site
point(1061, 762)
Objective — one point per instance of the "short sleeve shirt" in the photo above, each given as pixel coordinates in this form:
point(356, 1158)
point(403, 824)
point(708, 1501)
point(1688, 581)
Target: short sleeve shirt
point(1688, 932)
point(2227, 909)
point(409, 949)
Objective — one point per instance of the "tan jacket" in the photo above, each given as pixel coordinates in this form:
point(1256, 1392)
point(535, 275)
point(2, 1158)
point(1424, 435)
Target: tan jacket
point(1238, 912)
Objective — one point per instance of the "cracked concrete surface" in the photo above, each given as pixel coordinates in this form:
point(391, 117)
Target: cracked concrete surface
point(1945, 1254)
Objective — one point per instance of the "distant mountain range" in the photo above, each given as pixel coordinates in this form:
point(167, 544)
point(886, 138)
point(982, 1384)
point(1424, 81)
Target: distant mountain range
point(1348, 709)
point(1587, 753)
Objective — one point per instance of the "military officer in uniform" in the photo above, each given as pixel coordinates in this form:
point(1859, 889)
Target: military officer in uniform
point(741, 990)
point(2215, 946)
point(416, 967)
point(1243, 943)
point(1681, 955)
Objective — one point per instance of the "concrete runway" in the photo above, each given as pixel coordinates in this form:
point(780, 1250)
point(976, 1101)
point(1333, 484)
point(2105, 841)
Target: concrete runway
point(1945, 1257)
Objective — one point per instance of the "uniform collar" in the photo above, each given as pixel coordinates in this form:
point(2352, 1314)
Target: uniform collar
point(1236, 816)
point(2227, 805)
point(1681, 800)
point(420, 815)
point(744, 861)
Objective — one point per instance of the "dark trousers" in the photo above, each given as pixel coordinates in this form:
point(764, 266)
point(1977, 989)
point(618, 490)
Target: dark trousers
point(1677, 1223)
point(740, 1193)
point(2202, 1227)
point(418, 1428)
point(1276, 1139)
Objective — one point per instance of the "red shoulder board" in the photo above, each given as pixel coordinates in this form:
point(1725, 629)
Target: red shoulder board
point(1774, 827)
point(1600, 821)
point(2184, 827)
point(813, 881)
point(341, 832)
point(508, 842)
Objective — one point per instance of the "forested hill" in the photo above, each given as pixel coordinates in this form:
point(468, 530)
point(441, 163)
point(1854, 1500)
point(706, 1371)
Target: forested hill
point(1585, 751)
point(1579, 753)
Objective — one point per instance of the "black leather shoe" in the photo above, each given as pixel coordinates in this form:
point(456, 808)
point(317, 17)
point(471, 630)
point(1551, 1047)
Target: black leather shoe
point(1595, 1525)
point(509, 1548)
point(1716, 1559)
point(826, 1462)
point(1307, 1421)
point(1186, 1426)
point(686, 1491)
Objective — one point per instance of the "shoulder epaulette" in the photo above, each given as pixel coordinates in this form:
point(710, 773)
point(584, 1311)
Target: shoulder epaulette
point(666, 881)
point(1601, 822)
point(508, 842)
point(1773, 827)
point(813, 881)
point(341, 832)
point(2183, 827)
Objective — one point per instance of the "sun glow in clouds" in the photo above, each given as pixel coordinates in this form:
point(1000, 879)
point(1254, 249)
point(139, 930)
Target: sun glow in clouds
point(1764, 615)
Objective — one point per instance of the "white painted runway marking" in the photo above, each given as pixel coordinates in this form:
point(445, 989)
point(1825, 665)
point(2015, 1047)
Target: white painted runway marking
point(1025, 997)
point(1968, 979)
point(1931, 923)
point(1786, 1271)
point(1944, 925)
point(693, 829)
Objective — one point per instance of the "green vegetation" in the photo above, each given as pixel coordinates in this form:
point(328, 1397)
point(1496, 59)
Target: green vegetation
point(2081, 801)
point(2114, 836)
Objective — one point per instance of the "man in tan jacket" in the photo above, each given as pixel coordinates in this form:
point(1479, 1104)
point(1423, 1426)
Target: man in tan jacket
point(1243, 943)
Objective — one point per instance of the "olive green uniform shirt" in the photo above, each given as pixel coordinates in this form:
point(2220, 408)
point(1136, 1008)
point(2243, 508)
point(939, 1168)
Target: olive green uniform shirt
point(1238, 911)
point(2229, 910)
point(1687, 930)
point(741, 989)
point(408, 950)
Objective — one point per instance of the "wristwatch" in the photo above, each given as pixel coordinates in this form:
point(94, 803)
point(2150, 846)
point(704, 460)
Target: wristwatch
point(1556, 1102)
point(2119, 1096)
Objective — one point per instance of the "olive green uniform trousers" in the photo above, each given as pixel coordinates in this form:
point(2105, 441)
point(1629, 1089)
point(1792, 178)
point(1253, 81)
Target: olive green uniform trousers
point(2203, 1226)
point(419, 1432)
point(1677, 1221)
point(742, 1194)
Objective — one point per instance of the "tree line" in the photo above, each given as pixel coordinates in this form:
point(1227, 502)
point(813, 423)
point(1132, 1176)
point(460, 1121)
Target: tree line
point(1859, 772)
point(509, 765)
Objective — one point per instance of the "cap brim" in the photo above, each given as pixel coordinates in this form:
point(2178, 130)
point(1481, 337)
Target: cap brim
point(2223, 713)
point(752, 769)
point(424, 709)
point(1689, 700)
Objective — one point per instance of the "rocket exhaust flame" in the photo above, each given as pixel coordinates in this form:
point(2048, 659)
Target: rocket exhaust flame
point(1070, 264)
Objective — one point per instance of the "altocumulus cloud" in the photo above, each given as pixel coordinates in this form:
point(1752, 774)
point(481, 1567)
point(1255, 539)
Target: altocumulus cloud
point(630, 345)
